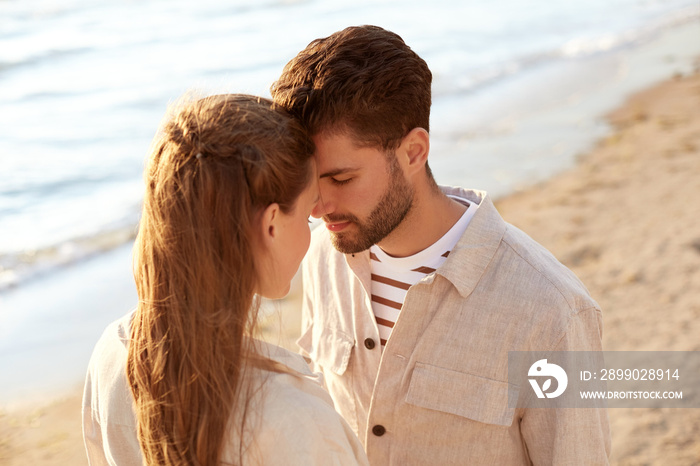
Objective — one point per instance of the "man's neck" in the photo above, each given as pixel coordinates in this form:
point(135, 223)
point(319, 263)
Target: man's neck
point(431, 216)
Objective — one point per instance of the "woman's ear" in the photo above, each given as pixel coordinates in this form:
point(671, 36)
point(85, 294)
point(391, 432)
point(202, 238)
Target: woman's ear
point(268, 224)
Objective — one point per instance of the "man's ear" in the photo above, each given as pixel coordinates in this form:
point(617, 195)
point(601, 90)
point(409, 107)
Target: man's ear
point(268, 223)
point(415, 146)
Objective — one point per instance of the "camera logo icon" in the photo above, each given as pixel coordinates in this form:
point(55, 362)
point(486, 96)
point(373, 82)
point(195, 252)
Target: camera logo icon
point(543, 369)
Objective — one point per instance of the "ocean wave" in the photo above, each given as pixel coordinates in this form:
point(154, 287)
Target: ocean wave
point(18, 267)
point(585, 47)
point(48, 186)
point(32, 59)
point(578, 48)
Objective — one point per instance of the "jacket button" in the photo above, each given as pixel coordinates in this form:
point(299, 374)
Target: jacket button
point(378, 430)
point(369, 343)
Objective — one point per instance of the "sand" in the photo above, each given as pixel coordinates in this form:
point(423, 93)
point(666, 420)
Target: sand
point(626, 220)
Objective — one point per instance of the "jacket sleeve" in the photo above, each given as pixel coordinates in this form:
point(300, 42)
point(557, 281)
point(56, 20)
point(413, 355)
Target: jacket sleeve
point(92, 437)
point(106, 443)
point(570, 435)
point(109, 423)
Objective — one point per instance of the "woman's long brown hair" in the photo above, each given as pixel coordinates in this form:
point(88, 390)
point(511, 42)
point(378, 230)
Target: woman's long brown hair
point(215, 164)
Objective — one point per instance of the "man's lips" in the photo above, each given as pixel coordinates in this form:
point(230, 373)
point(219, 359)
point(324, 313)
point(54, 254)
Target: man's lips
point(336, 226)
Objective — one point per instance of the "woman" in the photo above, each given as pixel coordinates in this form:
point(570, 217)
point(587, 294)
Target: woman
point(229, 189)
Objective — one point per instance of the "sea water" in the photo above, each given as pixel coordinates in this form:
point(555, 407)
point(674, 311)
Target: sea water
point(518, 89)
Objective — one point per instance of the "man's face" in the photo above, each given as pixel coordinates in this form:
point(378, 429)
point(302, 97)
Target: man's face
point(364, 195)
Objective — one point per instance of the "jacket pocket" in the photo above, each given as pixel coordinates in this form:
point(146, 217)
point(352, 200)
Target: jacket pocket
point(330, 348)
point(467, 395)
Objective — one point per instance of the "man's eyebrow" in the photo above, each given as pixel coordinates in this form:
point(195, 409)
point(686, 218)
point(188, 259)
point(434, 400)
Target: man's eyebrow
point(336, 172)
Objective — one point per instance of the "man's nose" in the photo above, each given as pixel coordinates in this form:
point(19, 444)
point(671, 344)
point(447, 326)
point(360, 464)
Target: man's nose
point(322, 207)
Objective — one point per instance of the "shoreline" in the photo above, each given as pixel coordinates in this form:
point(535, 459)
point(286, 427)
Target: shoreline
point(532, 127)
point(521, 128)
point(622, 219)
point(50, 325)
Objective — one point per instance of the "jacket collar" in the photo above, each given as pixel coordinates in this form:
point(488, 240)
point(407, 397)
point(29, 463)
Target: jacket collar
point(475, 249)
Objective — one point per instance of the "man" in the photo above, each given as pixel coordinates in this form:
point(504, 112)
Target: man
point(414, 294)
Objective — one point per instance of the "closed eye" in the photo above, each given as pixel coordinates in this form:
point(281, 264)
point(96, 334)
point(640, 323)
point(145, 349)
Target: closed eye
point(338, 182)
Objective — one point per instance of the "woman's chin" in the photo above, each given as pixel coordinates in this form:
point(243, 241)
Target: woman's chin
point(277, 293)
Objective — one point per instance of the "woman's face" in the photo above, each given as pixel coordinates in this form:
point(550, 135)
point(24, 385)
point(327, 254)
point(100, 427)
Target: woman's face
point(280, 261)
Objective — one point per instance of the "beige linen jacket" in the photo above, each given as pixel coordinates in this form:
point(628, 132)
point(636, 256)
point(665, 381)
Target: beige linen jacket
point(291, 420)
point(438, 393)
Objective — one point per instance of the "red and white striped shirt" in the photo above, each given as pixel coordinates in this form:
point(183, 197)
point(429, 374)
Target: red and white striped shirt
point(393, 276)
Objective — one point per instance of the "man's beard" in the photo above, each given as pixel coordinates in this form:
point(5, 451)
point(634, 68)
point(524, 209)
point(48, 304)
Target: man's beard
point(390, 211)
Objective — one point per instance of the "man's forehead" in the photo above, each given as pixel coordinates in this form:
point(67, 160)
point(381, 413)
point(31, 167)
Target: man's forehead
point(340, 151)
point(334, 151)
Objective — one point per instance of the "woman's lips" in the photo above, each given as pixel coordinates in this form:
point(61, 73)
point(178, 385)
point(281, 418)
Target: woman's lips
point(336, 227)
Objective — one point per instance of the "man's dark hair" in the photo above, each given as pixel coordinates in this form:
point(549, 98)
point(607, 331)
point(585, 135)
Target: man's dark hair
point(364, 80)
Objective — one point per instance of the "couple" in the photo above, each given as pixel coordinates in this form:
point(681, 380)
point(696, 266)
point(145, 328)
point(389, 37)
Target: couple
point(413, 293)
